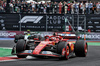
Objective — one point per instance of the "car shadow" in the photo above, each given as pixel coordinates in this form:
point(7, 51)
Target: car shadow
point(46, 59)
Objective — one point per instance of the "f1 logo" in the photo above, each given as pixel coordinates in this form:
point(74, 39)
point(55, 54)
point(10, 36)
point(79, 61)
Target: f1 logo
point(34, 19)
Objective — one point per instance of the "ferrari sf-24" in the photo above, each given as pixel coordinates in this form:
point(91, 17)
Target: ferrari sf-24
point(58, 46)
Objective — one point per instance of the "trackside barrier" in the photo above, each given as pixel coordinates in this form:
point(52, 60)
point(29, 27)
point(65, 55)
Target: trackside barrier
point(88, 36)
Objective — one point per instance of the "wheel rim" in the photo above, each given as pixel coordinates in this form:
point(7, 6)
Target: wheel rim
point(85, 48)
point(63, 51)
point(67, 52)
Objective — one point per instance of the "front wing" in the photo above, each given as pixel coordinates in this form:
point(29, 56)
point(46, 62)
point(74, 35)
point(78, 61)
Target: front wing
point(42, 53)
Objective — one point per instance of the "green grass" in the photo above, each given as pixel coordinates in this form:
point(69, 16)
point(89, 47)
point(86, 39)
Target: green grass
point(5, 52)
point(94, 43)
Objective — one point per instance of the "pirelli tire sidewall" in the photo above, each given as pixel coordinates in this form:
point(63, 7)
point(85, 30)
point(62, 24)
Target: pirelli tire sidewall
point(79, 48)
point(20, 46)
point(60, 46)
point(63, 46)
point(21, 36)
point(17, 37)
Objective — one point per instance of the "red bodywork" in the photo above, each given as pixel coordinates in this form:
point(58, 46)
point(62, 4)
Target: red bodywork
point(42, 45)
point(50, 40)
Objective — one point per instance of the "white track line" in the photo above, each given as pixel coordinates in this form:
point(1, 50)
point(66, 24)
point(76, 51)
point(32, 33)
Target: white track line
point(28, 57)
point(6, 47)
point(8, 60)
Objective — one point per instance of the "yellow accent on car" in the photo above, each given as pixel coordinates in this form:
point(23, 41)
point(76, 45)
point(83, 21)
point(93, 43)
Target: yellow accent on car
point(40, 45)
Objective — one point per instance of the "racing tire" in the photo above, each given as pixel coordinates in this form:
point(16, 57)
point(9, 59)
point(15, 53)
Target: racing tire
point(21, 56)
point(20, 46)
point(60, 46)
point(21, 36)
point(81, 48)
point(67, 53)
point(63, 47)
point(13, 50)
point(16, 38)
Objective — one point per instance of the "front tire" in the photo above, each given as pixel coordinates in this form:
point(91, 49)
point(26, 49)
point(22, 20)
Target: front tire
point(63, 49)
point(16, 38)
point(20, 46)
point(60, 47)
point(67, 53)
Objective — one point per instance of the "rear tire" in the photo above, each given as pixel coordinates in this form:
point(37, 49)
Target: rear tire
point(81, 48)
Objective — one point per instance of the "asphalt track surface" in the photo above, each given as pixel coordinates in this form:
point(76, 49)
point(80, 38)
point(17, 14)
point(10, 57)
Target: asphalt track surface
point(7, 43)
point(92, 59)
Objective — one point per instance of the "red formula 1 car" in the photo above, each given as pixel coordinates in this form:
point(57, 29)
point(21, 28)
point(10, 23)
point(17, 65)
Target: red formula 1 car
point(53, 46)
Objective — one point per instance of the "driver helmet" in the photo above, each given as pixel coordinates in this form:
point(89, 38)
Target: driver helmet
point(55, 34)
point(28, 31)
